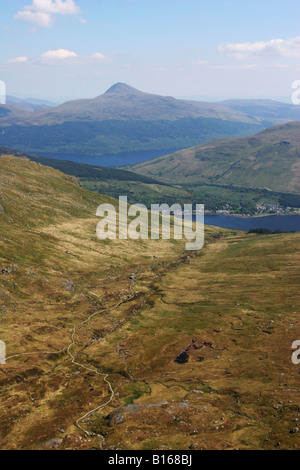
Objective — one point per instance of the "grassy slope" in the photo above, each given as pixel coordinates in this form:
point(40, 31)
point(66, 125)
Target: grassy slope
point(228, 295)
point(58, 274)
point(113, 182)
point(139, 188)
point(81, 170)
point(269, 159)
point(238, 301)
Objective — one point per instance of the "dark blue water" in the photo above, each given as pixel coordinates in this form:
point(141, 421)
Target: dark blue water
point(109, 160)
point(285, 223)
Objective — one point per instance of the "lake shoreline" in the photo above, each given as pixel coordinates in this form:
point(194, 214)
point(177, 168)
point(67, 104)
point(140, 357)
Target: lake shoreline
point(243, 216)
point(272, 222)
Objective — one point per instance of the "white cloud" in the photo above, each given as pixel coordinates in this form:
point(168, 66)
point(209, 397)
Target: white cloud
point(99, 56)
point(287, 48)
point(59, 54)
point(63, 57)
point(17, 60)
point(83, 20)
point(41, 19)
point(41, 12)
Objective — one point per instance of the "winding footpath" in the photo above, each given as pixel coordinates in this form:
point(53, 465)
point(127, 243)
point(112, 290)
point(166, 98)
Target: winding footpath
point(68, 350)
point(72, 356)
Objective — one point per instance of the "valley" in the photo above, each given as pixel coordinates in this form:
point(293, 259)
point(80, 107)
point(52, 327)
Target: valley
point(88, 367)
point(250, 176)
point(149, 228)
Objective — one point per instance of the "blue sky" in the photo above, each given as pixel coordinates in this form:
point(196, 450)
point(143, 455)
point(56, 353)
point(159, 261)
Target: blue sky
point(68, 49)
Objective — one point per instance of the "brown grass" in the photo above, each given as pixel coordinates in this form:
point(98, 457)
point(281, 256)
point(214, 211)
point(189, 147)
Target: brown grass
point(234, 307)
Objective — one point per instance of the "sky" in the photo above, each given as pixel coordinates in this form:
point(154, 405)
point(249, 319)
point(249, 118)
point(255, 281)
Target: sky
point(204, 49)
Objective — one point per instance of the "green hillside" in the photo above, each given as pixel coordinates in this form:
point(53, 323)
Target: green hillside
point(116, 182)
point(270, 159)
point(113, 182)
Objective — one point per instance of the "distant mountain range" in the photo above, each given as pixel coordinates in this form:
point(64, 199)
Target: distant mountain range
point(126, 119)
point(270, 159)
point(124, 102)
point(269, 110)
point(28, 104)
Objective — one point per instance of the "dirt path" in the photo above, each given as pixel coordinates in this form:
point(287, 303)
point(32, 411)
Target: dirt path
point(69, 348)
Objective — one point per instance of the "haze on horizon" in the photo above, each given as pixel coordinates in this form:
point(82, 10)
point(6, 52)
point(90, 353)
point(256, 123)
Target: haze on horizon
point(59, 50)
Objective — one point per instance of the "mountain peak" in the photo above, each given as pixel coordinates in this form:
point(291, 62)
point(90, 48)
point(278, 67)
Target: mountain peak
point(121, 88)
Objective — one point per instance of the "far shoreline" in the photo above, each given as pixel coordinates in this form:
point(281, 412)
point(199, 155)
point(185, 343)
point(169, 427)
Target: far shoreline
point(243, 216)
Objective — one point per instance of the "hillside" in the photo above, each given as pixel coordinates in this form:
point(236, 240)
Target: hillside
point(139, 188)
point(139, 345)
point(81, 170)
point(269, 159)
point(54, 274)
point(111, 181)
point(10, 113)
point(122, 119)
